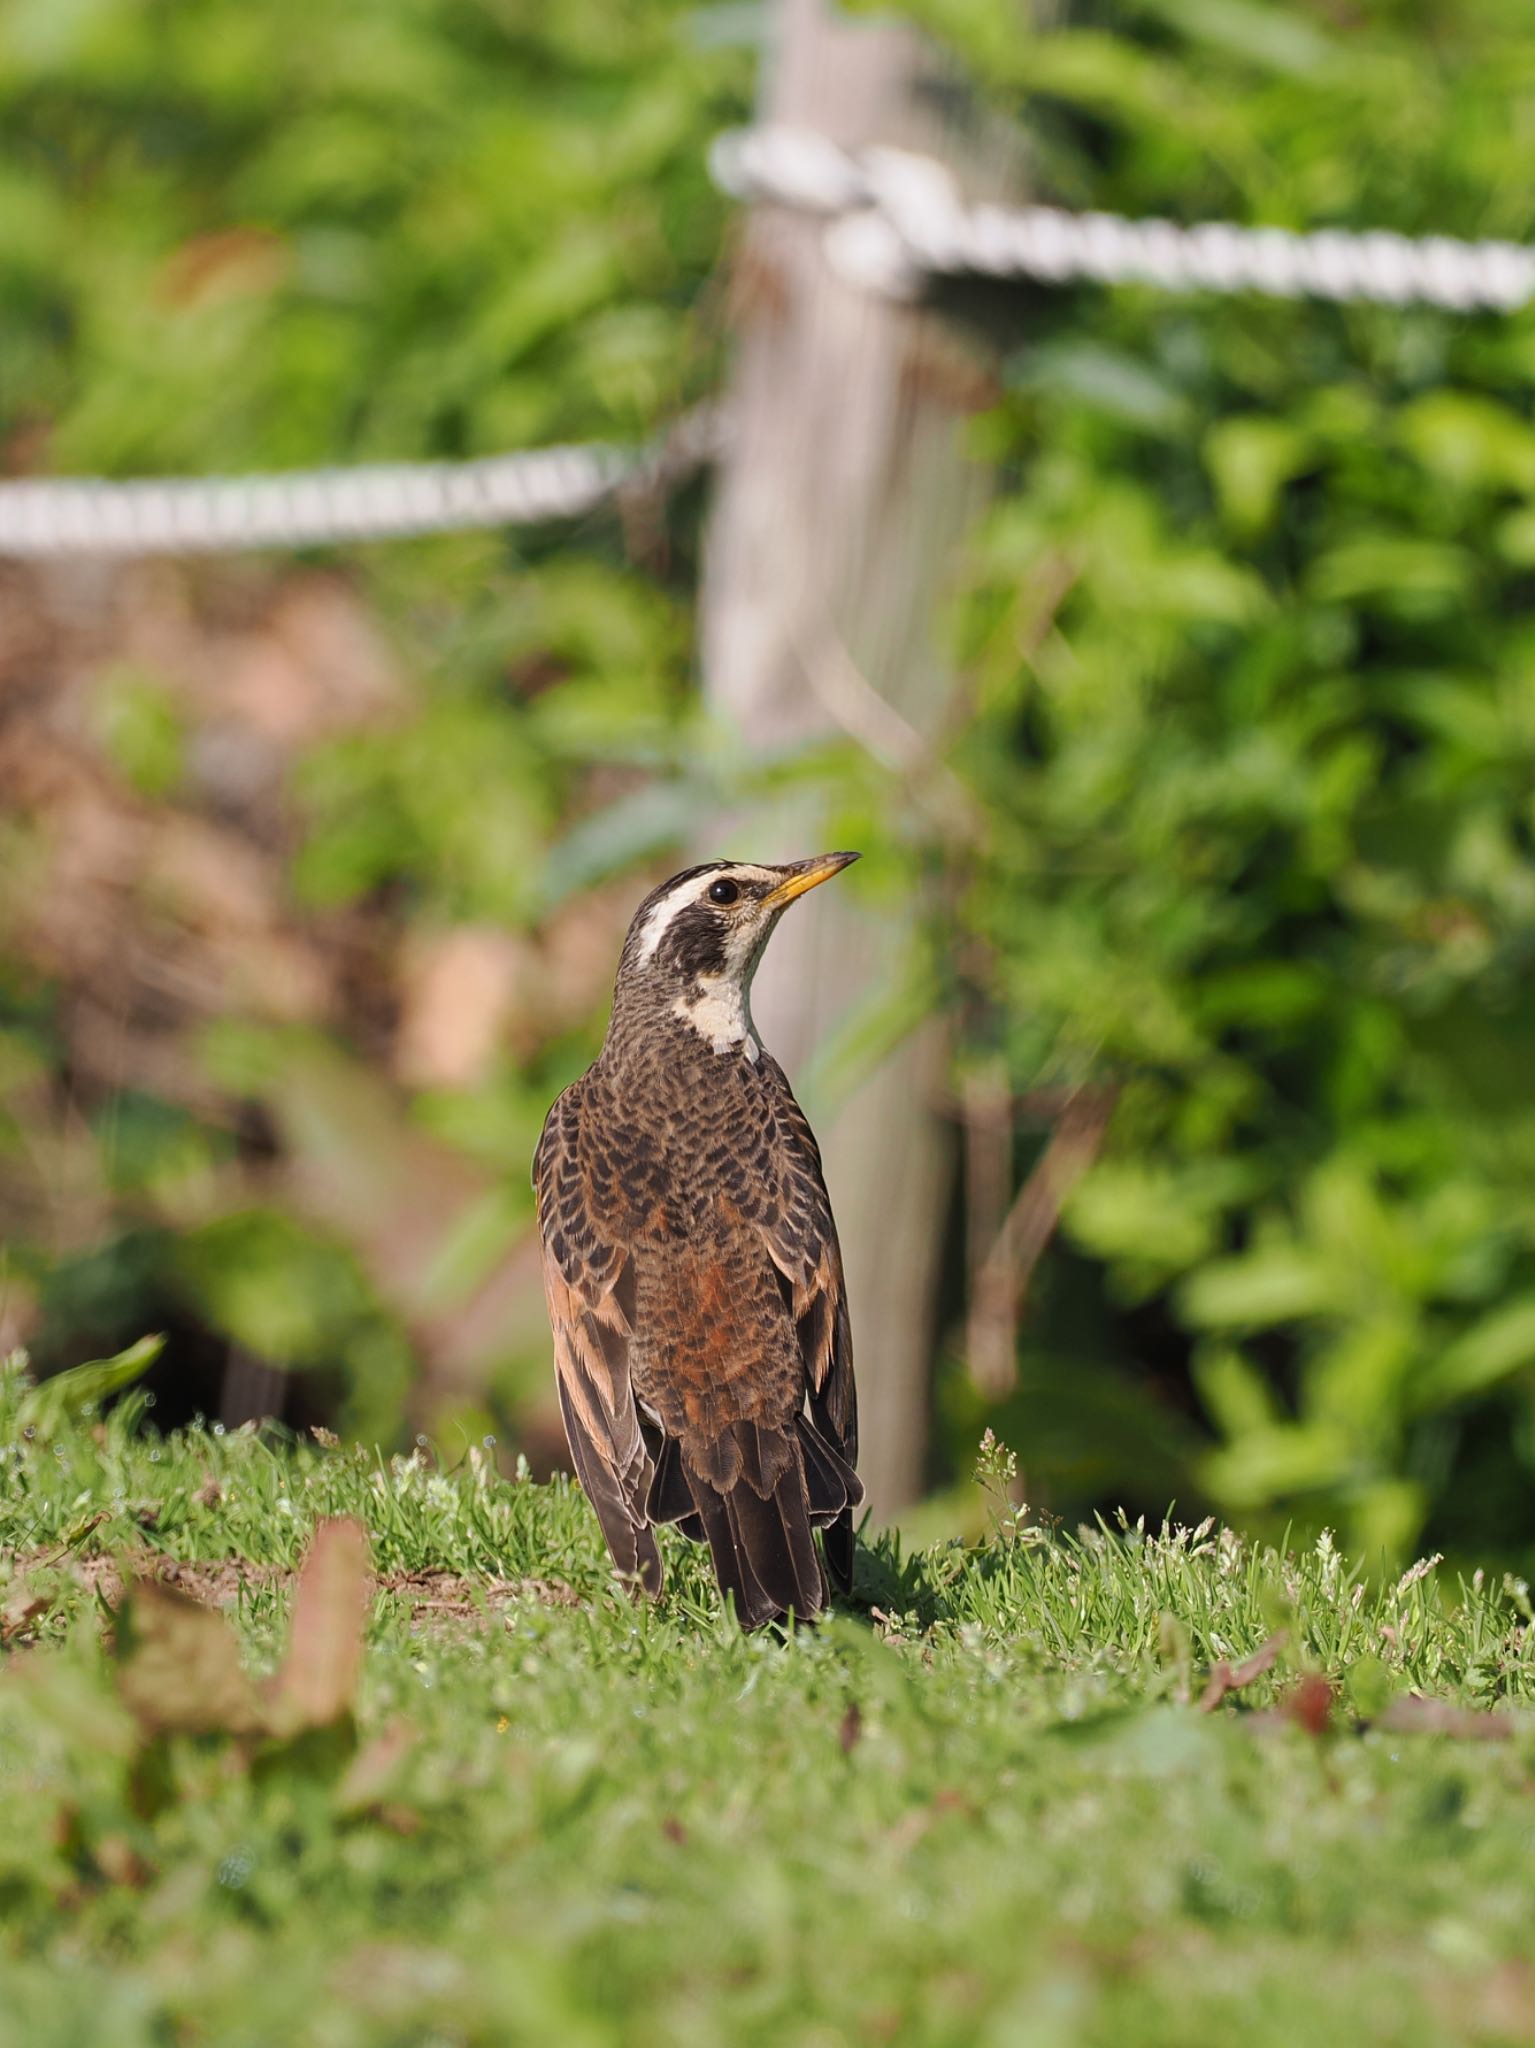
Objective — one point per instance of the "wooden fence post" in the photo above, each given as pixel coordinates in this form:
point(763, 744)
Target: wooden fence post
point(837, 512)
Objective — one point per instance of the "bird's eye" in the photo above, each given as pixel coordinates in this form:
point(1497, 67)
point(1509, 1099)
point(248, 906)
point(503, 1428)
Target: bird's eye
point(723, 892)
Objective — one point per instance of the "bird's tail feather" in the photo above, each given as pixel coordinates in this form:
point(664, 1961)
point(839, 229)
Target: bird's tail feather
point(835, 1490)
point(631, 1542)
point(755, 1507)
point(832, 1483)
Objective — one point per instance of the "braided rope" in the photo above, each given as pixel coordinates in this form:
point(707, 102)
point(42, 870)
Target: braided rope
point(307, 508)
point(894, 220)
point(897, 219)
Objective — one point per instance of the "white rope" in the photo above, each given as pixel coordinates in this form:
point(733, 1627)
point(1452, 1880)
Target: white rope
point(897, 219)
point(307, 508)
point(894, 220)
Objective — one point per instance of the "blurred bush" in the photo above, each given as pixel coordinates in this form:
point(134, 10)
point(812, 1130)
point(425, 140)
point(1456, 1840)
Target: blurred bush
point(1251, 645)
point(304, 918)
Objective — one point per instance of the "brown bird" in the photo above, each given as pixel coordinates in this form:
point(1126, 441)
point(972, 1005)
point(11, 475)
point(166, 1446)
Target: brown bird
point(701, 1338)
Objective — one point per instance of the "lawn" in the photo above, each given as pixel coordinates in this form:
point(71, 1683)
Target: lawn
point(1022, 1793)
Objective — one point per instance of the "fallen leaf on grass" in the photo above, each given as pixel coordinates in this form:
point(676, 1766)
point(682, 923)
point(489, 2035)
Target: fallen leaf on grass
point(371, 1772)
point(912, 1826)
point(850, 1729)
point(1310, 1704)
point(110, 1857)
point(179, 1669)
point(120, 1863)
point(220, 1581)
point(1414, 1715)
point(20, 1611)
point(318, 1679)
point(1227, 1678)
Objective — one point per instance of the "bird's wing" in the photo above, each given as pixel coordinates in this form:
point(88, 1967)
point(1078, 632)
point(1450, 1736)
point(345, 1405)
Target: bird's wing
point(589, 1283)
point(802, 1240)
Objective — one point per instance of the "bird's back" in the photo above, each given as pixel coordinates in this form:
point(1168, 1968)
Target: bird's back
point(687, 1168)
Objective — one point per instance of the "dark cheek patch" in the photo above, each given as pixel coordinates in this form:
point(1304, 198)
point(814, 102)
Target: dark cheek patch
point(695, 942)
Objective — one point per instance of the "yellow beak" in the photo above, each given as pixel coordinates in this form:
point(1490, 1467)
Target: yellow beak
point(801, 875)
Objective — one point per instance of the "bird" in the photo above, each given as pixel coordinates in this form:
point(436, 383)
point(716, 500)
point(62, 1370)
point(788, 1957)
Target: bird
point(702, 1345)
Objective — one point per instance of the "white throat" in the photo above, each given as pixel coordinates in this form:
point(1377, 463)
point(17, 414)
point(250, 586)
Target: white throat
point(721, 1014)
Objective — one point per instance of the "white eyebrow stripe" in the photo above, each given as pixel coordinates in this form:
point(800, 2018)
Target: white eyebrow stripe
point(688, 892)
point(659, 919)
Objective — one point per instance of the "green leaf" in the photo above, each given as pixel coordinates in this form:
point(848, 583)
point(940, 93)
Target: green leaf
point(1275, 1463)
point(45, 1408)
point(1251, 460)
point(1274, 37)
point(1469, 442)
point(1106, 380)
point(1275, 1285)
point(1495, 1349)
point(1370, 1686)
point(1160, 1741)
point(1399, 573)
point(1240, 1400)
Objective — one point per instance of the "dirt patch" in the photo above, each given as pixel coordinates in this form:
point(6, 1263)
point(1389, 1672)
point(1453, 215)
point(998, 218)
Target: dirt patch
point(220, 1581)
point(216, 1581)
point(449, 1596)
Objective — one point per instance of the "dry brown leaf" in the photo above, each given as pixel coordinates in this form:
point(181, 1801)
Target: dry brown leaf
point(1414, 1715)
point(1226, 1678)
point(224, 263)
point(21, 1610)
point(120, 1863)
point(372, 1770)
point(1310, 1704)
point(318, 1679)
point(179, 1669)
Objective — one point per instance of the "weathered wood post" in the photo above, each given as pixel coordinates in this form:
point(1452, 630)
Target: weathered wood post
point(838, 508)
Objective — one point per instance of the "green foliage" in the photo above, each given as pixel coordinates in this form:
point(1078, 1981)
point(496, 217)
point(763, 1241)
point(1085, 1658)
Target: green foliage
point(44, 1411)
point(265, 237)
point(1259, 784)
point(242, 239)
point(551, 1813)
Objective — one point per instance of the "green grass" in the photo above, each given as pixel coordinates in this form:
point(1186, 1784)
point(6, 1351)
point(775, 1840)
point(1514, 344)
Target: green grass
point(995, 1816)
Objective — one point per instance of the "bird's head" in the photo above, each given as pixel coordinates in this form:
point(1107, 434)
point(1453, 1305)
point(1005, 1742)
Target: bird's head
point(695, 942)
